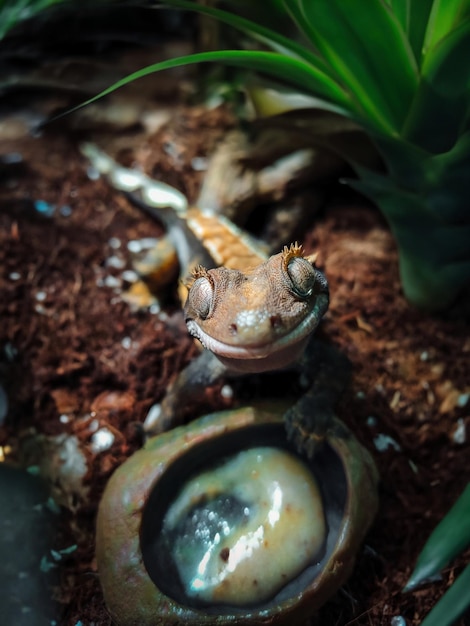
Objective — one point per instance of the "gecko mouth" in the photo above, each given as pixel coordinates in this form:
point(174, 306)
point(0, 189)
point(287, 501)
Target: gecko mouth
point(291, 340)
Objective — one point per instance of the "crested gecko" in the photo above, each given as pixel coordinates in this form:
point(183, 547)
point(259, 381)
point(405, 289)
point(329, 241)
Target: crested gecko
point(251, 313)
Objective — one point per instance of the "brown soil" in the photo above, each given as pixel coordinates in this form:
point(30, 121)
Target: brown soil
point(81, 351)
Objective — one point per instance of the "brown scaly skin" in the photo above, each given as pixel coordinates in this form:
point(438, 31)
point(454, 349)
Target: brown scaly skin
point(255, 321)
point(259, 319)
point(252, 313)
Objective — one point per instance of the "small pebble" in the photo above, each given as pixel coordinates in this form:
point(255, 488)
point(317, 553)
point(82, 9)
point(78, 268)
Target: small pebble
point(129, 276)
point(116, 262)
point(112, 281)
point(398, 620)
point(14, 275)
point(52, 506)
point(199, 164)
point(102, 440)
point(155, 308)
point(424, 356)
point(46, 565)
point(463, 399)
point(383, 442)
point(45, 208)
point(371, 421)
point(460, 433)
point(56, 555)
point(126, 343)
point(134, 246)
point(65, 211)
point(152, 416)
point(64, 419)
point(93, 426)
point(226, 392)
point(360, 395)
point(114, 243)
point(41, 296)
point(137, 245)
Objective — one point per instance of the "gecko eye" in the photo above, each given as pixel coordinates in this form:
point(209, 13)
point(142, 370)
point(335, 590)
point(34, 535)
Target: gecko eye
point(200, 297)
point(302, 275)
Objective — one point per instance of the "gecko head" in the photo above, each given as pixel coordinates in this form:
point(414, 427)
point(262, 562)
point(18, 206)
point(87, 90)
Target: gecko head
point(260, 319)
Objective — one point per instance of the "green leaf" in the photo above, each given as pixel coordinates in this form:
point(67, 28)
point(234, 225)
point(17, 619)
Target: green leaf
point(435, 120)
point(444, 16)
point(450, 537)
point(446, 65)
point(433, 253)
point(401, 10)
point(405, 162)
point(369, 51)
point(275, 40)
point(453, 166)
point(291, 71)
point(440, 108)
point(305, 27)
point(449, 182)
point(413, 17)
point(453, 603)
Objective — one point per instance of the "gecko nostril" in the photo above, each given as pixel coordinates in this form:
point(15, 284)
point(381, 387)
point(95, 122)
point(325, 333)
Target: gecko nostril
point(275, 321)
point(233, 328)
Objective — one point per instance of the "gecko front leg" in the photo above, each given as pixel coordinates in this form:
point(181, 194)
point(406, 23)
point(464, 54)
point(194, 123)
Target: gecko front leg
point(186, 393)
point(310, 420)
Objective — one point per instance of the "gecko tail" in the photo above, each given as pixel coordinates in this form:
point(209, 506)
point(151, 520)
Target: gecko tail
point(152, 193)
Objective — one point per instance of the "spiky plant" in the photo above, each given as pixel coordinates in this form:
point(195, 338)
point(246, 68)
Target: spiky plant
point(450, 537)
point(400, 70)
